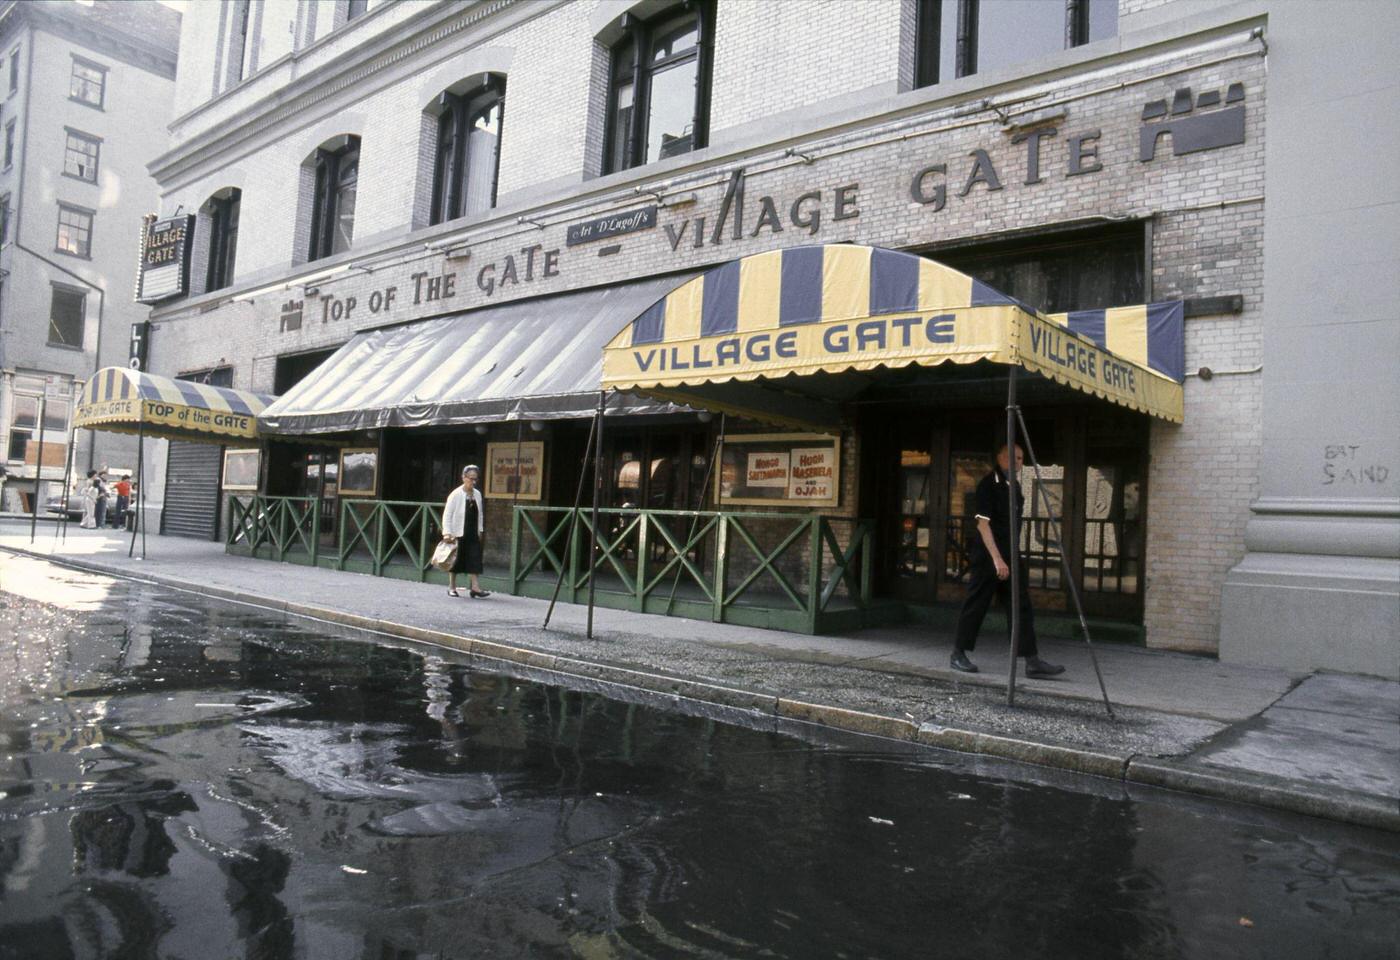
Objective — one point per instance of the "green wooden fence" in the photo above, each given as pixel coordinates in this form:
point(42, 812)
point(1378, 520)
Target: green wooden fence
point(795, 571)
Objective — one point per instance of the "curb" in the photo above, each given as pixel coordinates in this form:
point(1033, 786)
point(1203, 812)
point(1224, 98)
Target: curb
point(1277, 793)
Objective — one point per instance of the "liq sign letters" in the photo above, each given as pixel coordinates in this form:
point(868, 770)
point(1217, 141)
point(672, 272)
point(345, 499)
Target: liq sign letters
point(165, 259)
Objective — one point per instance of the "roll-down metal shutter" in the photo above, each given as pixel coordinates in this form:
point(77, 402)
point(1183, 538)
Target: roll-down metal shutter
point(192, 490)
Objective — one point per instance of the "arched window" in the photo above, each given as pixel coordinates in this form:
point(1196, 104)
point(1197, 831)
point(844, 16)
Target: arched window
point(337, 172)
point(222, 213)
point(659, 86)
point(468, 158)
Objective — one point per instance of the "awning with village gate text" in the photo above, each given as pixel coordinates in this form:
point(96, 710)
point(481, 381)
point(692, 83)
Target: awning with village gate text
point(735, 337)
point(532, 359)
point(128, 401)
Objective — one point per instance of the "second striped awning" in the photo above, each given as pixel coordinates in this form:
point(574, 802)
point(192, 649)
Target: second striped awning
point(839, 307)
point(128, 401)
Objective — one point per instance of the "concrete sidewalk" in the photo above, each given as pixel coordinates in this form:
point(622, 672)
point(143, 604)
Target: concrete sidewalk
point(1322, 744)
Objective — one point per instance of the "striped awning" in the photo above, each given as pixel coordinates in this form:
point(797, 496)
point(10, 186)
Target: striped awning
point(128, 401)
point(843, 307)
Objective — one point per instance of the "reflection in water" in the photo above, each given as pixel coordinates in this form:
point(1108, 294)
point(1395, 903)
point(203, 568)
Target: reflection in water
point(183, 778)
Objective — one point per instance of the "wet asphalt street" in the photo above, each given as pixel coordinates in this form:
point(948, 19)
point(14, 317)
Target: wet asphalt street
point(187, 778)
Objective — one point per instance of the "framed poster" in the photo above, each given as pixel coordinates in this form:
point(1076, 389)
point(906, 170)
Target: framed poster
point(780, 469)
point(505, 477)
point(241, 469)
point(359, 471)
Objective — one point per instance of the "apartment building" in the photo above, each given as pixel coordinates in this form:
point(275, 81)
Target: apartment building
point(87, 92)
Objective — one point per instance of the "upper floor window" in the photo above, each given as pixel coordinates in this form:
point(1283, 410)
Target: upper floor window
point(241, 42)
point(355, 8)
point(14, 69)
point(958, 38)
point(80, 152)
point(24, 418)
point(9, 144)
point(66, 313)
point(4, 218)
point(468, 150)
point(337, 174)
point(88, 83)
point(74, 231)
point(223, 237)
point(659, 87)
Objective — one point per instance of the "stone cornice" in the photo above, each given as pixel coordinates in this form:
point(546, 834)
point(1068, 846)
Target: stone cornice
point(352, 71)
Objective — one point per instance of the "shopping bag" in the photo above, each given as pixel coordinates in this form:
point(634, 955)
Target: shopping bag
point(445, 555)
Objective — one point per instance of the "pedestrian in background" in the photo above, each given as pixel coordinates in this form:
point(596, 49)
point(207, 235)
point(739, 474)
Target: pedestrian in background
point(89, 497)
point(103, 489)
point(123, 500)
point(989, 575)
point(464, 523)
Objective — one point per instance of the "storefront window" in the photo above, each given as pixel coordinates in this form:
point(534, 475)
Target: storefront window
point(914, 483)
point(1078, 271)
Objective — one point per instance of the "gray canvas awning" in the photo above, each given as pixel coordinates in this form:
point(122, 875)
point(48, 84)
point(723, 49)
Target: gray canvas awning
point(540, 359)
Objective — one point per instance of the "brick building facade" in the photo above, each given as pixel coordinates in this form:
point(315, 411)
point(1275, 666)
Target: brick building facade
point(813, 106)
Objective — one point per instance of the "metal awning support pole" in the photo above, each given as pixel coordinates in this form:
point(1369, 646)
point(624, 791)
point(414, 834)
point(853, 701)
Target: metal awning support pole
point(597, 492)
point(700, 505)
point(1053, 526)
point(67, 482)
point(140, 493)
point(573, 523)
point(38, 466)
point(1013, 561)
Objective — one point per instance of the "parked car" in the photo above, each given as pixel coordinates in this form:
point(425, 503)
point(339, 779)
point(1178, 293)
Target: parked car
point(54, 505)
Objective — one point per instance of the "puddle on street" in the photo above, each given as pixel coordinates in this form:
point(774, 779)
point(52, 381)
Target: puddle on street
point(185, 778)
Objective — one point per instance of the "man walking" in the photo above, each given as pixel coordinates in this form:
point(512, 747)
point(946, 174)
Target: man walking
point(989, 573)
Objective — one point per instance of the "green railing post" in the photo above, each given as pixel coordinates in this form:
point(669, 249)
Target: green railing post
point(814, 572)
point(639, 602)
point(316, 531)
point(340, 535)
point(283, 510)
point(515, 549)
point(425, 556)
point(379, 510)
point(721, 566)
point(867, 550)
point(574, 550)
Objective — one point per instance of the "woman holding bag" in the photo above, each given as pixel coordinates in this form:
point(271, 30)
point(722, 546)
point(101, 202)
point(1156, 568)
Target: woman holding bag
point(463, 523)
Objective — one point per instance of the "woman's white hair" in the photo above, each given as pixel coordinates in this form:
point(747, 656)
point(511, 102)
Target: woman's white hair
point(471, 468)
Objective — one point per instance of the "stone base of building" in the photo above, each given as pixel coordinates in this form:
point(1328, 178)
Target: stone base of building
point(1312, 612)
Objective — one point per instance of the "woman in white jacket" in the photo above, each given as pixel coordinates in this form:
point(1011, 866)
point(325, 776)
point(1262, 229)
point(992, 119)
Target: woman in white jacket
point(463, 523)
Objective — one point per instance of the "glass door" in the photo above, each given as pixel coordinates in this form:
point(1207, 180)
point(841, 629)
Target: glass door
point(912, 532)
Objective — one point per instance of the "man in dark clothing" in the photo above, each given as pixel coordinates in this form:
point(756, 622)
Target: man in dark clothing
point(989, 575)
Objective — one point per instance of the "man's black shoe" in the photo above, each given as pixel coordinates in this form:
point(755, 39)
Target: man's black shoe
point(960, 662)
point(1036, 667)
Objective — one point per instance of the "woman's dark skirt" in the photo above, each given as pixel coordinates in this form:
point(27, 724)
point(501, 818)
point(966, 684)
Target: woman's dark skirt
point(468, 553)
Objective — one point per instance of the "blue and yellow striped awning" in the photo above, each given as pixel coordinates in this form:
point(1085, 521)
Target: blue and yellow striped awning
point(128, 401)
point(839, 307)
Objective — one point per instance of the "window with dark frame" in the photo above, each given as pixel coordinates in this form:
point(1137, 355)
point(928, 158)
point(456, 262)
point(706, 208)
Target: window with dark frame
point(214, 376)
point(88, 84)
point(24, 421)
point(659, 86)
point(66, 312)
point(10, 144)
point(468, 160)
point(959, 38)
point(4, 219)
point(80, 152)
point(242, 34)
point(74, 231)
point(223, 239)
point(14, 70)
point(355, 8)
point(333, 205)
